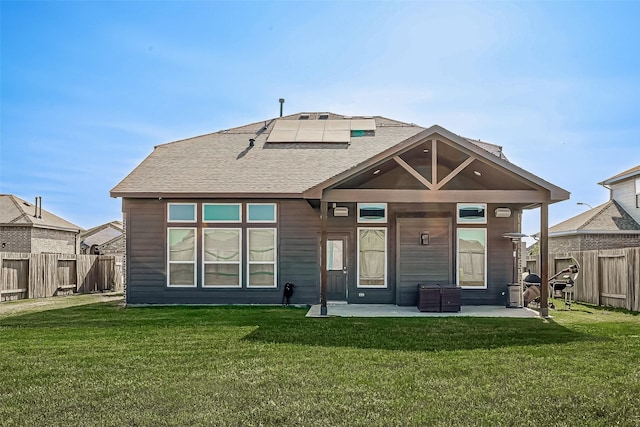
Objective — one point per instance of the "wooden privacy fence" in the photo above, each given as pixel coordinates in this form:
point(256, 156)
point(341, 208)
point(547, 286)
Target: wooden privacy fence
point(608, 277)
point(25, 275)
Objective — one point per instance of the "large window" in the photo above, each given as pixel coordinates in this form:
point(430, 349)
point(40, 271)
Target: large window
point(181, 269)
point(261, 259)
point(372, 257)
point(182, 212)
point(221, 250)
point(472, 258)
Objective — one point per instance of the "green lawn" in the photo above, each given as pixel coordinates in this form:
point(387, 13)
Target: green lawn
point(103, 364)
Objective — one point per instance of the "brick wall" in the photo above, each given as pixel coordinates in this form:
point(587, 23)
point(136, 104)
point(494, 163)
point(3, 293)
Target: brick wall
point(15, 239)
point(612, 241)
point(115, 247)
point(589, 242)
point(53, 241)
point(564, 244)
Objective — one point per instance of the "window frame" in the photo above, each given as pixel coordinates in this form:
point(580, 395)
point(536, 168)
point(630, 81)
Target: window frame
point(223, 221)
point(382, 220)
point(261, 221)
point(274, 262)
point(637, 192)
point(460, 220)
point(191, 221)
point(386, 258)
point(194, 262)
point(238, 263)
point(486, 282)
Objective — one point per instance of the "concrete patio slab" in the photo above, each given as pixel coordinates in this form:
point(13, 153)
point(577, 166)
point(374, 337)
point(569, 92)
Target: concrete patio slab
point(390, 310)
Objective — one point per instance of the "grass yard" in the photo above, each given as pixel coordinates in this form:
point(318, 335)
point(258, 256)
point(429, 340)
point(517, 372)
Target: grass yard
point(103, 364)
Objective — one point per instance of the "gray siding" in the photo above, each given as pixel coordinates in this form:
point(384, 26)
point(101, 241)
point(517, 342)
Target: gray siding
point(298, 228)
point(625, 194)
point(423, 264)
point(299, 258)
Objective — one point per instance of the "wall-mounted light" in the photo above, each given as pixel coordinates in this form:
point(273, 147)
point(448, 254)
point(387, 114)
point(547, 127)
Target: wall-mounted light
point(477, 173)
point(376, 172)
point(424, 238)
point(503, 212)
point(341, 211)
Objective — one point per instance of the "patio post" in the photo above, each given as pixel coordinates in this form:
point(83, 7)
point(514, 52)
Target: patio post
point(323, 258)
point(544, 259)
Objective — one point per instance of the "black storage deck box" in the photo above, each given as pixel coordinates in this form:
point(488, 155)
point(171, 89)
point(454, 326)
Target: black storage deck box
point(450, 299)
point(429, 298)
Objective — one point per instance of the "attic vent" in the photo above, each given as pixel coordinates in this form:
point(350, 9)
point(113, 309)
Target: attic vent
point(323, 117)
point(303, 117)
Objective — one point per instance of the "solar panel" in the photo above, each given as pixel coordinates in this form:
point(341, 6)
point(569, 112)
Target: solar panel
point(337, 131)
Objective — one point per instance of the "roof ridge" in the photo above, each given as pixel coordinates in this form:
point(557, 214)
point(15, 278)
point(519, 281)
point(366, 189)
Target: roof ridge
point(18, 206)
point(596, 214)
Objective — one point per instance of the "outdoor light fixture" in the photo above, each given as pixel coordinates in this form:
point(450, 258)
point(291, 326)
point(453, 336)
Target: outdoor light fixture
point(376, 172)
point(503, 212)
point(477, 173)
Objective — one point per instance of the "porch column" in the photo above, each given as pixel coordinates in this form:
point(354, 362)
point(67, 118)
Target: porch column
point(544, 259)
point(323, 258)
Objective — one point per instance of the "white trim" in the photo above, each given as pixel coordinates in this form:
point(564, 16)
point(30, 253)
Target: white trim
point(275, 213)
point(474, 220)
point(238, 263)
point(228, 221)
point(458, 258)
point(194, 262)
point(274, 262)
point(386, 255)
point(195, 213)
point(371, 221)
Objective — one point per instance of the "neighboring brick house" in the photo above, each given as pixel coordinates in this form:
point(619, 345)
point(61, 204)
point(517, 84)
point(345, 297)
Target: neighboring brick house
point(26, 227)
point(612, 225)
point(105, 239)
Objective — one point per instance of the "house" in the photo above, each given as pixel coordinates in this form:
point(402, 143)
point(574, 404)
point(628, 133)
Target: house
point(612, 225)
point(105, 239)
point(354, 209)
point(26, 227)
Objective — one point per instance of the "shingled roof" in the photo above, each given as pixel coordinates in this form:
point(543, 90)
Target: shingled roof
point(608, 218)
point(629, 173)
point(17, 212)
point(226, 163)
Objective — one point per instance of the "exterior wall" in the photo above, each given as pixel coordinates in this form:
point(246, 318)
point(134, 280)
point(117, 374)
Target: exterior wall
point(609, 241)
point(298, 259)
point(15, 239)
point(588, 242)
point(45, 240)
point(564, 244)
point(146, 233)
point(625, 194)
point(114, 247)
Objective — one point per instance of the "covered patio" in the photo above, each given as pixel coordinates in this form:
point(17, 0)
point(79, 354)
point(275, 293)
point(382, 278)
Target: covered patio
point(391, 310)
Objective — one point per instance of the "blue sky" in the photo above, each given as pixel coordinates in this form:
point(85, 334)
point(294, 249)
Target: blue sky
point(89, 88)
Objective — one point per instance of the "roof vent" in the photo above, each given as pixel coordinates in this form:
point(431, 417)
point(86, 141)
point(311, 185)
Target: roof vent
point(323, 117)
point(303, 117)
